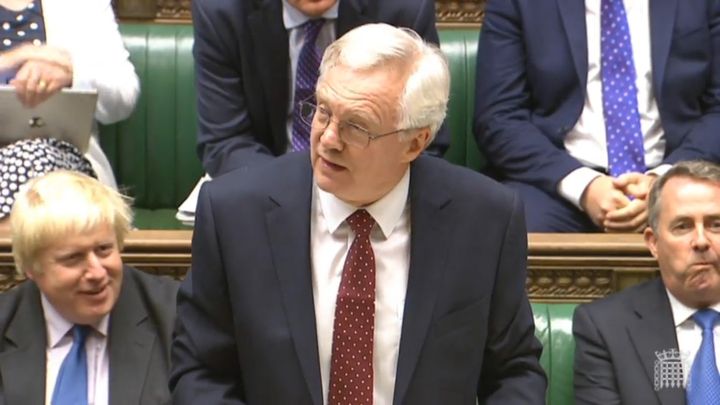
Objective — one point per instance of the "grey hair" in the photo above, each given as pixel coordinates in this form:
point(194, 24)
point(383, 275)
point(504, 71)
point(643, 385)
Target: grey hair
point(696, 170)
point(427, 88)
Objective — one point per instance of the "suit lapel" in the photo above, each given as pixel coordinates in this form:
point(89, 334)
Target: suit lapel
point(351, 14)
point(288, 223)
point(130, 344)
point(429, 238)
point(654, 332)
point(662, 22)
point(22, 362)
point(572, 13)
point(270, 42)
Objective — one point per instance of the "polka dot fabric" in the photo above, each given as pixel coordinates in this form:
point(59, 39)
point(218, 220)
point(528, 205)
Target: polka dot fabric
point(19, 27)
point(29, 158)
point(351, 365)
point(626, 152)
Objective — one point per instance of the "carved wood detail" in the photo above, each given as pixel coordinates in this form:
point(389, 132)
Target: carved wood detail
point(447, 11)
point(561, 268)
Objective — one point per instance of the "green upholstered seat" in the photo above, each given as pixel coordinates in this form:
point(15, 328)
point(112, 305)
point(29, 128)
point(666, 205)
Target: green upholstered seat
point(553, 326)
point(460, 47)
point(153, 151)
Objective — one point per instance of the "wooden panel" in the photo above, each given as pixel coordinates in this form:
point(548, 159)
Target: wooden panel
point(561, 267)
point(447, 11)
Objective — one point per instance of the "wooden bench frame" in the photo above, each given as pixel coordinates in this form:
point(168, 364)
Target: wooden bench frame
point(561, 267)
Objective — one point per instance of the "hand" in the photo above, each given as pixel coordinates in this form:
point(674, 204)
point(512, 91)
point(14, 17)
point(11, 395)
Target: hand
point(630, 218)
point(635, 184)
point(42, 71)
point(601, 197)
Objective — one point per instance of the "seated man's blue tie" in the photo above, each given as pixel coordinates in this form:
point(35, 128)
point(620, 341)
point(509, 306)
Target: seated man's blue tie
point(306, 76)
point(71, 386)
point(704, 381)
point(625, 148)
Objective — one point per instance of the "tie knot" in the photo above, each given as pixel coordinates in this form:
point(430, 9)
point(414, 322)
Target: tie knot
point(312, 29)
point(706, 318)
point(361, 222)
point(80, 332)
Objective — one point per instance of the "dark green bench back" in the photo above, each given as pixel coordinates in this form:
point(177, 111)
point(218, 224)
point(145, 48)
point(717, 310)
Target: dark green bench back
point(460, 47)
point(553, 326)
point(153, 152)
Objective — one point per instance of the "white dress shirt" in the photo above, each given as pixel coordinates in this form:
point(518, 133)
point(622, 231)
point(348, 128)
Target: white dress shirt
point(293, 19)
point(330, 238)
point(59, 342)
point(586, 140)
point(689, 334)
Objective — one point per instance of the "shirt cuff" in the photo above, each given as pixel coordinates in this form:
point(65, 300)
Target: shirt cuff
point(660, 170)
point(572, 186)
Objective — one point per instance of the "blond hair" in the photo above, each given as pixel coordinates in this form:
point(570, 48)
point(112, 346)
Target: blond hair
point(60, 204)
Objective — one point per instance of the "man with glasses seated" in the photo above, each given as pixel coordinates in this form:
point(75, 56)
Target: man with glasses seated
point(362, 272)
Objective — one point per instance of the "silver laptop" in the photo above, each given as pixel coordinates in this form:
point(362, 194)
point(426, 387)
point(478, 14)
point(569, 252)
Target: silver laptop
point(67, 115)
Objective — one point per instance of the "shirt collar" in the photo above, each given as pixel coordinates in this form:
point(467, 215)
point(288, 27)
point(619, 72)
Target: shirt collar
point(58, 327)
point(386, 211)
point(293, 18)
point(681, 312)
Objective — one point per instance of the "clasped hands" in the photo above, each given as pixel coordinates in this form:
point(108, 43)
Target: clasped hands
point(41, 71)
point(618, 204)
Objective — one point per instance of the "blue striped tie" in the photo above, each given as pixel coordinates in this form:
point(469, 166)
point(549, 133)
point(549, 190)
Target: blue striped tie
point(626, 152)
point(704, 382)
point(306, 76)
point(71, 384)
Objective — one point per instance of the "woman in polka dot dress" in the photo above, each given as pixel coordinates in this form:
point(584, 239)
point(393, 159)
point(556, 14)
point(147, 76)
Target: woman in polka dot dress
point(46, 45)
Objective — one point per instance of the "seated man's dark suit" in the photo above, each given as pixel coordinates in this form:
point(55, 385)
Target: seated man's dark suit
point(140, 331)
point(242, 69)
point(618, 340)
point(532, 75)
point(247, 332)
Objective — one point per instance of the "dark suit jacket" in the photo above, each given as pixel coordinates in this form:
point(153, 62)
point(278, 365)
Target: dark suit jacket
point(139, 342)
point(242, 69)
point(532, 75)
point(246, 318)
point(617, 341)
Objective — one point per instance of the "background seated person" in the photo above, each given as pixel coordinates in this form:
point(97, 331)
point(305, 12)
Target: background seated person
point(51, 44)
point(655, 343)
point(581, 104)
point(84, 329)
point(256, 60)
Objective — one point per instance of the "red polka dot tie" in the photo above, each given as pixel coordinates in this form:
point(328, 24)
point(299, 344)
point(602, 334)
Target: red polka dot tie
point(351, 366)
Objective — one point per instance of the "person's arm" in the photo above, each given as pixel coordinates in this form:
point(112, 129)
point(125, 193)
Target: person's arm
point(594, 378)
point(504, 131)
point(225, 132)
point(702, 141)
point(102, 63)
point(205, 365)
point(511, 372)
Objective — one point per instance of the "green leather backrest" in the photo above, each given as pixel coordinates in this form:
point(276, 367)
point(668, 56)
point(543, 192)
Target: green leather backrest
point(153, 152)
point(460, 47)
point(553, 326)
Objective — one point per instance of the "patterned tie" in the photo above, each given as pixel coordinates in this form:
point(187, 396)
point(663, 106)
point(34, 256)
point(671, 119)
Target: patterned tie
point(351, 366)
point(704, 381)
point(71, 383)
point(626, 152)
point(306, 76)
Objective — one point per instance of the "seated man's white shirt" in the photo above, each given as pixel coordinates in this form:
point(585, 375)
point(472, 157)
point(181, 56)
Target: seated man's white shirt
point(59, 342)
point(330, 238)
point(586, 141)
point(689, 334)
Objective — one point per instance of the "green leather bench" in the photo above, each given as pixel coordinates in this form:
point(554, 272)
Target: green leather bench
point(553, 326)
point(153, 151)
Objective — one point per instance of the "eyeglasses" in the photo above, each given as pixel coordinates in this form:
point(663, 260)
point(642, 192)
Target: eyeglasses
point(349, 132)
